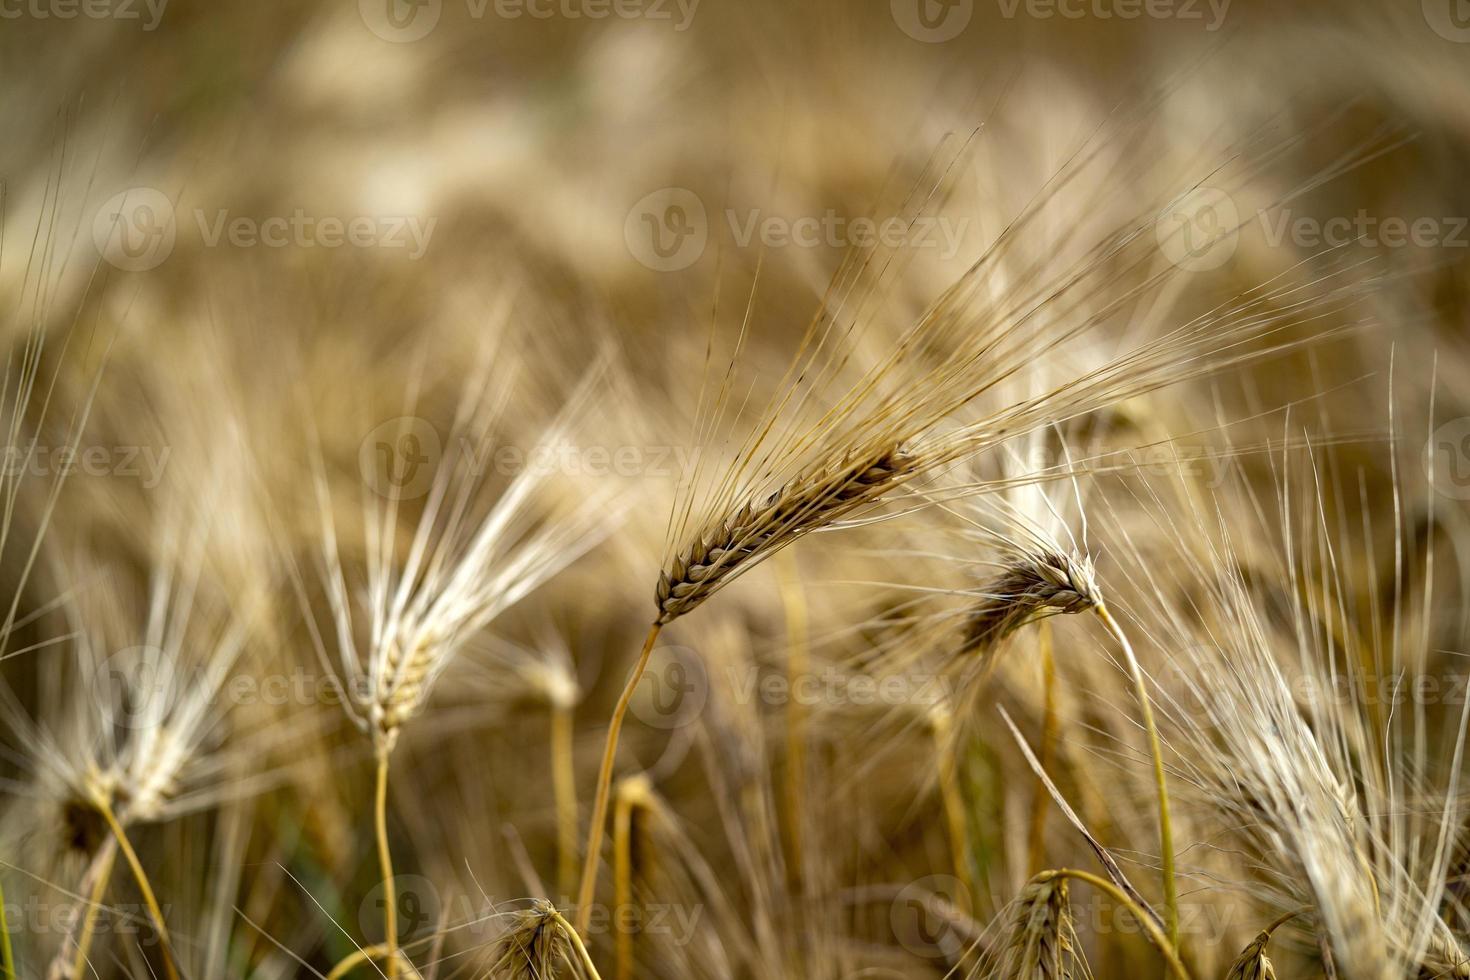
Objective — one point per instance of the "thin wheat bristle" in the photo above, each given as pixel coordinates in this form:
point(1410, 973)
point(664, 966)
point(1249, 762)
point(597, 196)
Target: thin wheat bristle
point(807, 503)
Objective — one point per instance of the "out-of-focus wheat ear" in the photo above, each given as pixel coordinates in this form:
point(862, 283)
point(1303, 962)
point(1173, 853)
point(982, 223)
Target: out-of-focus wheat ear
point(1140, 913)
point(732, 544)
point(1445, 958)
point(538, 945)
point(1032, 585)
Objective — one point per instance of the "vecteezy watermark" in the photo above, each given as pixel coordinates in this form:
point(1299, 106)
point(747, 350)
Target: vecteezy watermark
point(925, 916)
point(136, 687)
point(932, 21)
point(147, 12)
point(832, 688)
point(403, 21)
point(669, 229)
point(142, 463)
point(137, 229)
point(1447, 459)
point(37, 916)
point(399, 458)
point(414, 898)
point(1198, 231)
point(833, 230)
point(1210, 13)
point(1450, 19)
point(1363, 228)
point(674, 689)
point(302, 230)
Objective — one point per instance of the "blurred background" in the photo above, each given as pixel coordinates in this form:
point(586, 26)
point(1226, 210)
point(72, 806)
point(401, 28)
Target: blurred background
point(249, 233)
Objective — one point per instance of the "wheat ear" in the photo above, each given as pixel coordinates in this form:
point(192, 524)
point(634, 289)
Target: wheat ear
point(730, 546)
point(1141, 915)
point(1253, 963)
point(1040, 945)
point(540, 940)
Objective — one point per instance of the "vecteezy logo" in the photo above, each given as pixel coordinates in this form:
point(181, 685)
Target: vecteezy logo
point(398, 458)
point(922, 916)
point(1199, 230)
point(135, 230)
point(1450, 19)
point(674, 689)
point(1447, 459)
point(415, 900)
point(667, 230)
point(135, 687)
point(932, 21)
point(400, 21)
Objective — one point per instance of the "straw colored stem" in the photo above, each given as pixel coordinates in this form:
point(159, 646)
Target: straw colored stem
point(797, 665)
point(564, 788)
point(366, 955)
point(1042, 802)
point(385, 860)
point(144, 886)
point(953, 798)
point(576, 938)
point(100, 873)
point(7, 955)
point(623, 881)
point(1155, 934)
point(1166, 829)
point(604, 784)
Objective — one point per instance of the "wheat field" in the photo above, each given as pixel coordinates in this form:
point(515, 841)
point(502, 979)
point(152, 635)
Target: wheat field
point(735, 490)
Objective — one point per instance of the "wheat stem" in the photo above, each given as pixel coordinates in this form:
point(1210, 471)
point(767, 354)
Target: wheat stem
point(366, 955)
point(576, 938)
point(105, 808)
point(7, 955)
point(952, 795)
point(1166, 829)
point(564, 788)
point(1049, 721)
point(604, 784)
point(101, 873)
point(623, 880)
point(385, 860)
point(1155, 934)
point(797, 665)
